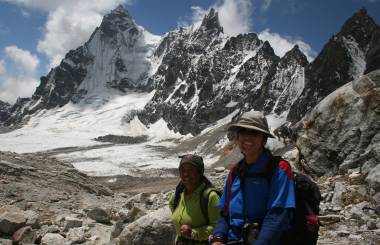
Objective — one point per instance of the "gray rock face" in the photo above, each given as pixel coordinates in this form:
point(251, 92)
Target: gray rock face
point(4, 111)
point(373, 55)
point(343, 59)
point(342, 132)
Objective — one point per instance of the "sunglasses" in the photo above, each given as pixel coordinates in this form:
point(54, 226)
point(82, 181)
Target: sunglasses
point(248, 132)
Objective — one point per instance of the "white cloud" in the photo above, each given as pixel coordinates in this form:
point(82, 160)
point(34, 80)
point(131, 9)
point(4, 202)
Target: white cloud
point(198, 13)
point(281, 44)
point(235, 16)
point(24, 61)
point(69, 24)
point(17, 74)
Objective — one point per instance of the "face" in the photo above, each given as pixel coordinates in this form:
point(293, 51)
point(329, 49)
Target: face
point(189, 174)
point(250, 141)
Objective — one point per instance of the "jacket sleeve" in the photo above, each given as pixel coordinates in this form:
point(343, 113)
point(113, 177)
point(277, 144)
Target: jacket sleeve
point(202, 233)
point(221, 228)
point(274, 222)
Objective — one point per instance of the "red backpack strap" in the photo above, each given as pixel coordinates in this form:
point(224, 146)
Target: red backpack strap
point(233, 174)
point(284, 165)
point(277, 161)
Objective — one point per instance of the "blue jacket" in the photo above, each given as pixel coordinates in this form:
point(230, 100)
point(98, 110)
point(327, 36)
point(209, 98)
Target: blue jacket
point(267, 203)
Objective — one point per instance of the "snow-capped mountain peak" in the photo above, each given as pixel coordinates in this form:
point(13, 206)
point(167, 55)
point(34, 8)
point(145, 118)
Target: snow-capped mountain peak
point(118, 20)
point(117, 57)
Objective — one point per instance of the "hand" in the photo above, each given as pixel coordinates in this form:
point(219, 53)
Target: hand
point(185, 231)
point(217, 242)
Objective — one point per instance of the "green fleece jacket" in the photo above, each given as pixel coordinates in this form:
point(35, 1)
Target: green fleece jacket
point(189, 212)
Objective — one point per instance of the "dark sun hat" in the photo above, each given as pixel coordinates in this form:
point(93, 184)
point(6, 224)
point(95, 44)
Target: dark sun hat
point(254, 120)
point(195, 160)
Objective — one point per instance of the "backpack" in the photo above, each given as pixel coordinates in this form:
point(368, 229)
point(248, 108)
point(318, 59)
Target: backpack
point(307, 195)
point(204, 197)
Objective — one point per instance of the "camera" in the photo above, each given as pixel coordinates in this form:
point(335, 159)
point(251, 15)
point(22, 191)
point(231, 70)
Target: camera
point(250, 232)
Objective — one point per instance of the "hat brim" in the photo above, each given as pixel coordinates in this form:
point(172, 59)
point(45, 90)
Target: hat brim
point(237, 125)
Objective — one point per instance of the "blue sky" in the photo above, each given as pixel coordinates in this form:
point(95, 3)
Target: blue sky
point(36, 34)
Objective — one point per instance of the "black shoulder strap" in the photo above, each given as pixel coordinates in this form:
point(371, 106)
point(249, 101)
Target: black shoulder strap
point(204, 199)
point(272, 165)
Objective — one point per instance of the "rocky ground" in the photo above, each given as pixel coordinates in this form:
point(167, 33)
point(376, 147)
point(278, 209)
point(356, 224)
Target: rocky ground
point(45, 201)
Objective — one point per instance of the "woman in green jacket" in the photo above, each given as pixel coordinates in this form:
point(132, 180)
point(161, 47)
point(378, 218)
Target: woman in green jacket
point(193, 224)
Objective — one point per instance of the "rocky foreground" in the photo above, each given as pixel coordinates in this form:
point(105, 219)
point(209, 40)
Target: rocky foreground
point(45, 201)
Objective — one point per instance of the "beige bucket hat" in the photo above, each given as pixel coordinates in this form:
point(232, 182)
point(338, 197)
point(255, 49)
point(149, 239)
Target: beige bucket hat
point(252, 120)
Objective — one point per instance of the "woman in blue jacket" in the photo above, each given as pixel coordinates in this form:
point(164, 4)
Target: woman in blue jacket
point(257, 206)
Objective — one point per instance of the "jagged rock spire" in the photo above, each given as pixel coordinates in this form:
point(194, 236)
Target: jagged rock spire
point(295, 53)
point(211, 21)
point(360, 26)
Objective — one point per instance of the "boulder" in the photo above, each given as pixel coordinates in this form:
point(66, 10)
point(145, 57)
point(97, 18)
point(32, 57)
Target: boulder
point(52, 238)
point(99, 215)
point(33, 219)
point(76, 236)
point(141, 200)
point(155, 228)
point(134, 214)
point(24, 235)
point(5, 242)
point(339, 189)
point(71, 222)
point(11, 221)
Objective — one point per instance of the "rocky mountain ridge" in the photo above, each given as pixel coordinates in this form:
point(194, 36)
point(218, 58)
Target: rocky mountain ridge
point(200, 74)
point(194, 89)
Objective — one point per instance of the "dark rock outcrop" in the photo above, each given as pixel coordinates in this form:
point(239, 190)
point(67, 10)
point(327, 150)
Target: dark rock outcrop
point(343, 59)
point(4, 111)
